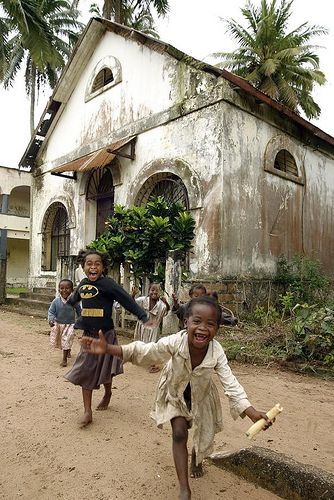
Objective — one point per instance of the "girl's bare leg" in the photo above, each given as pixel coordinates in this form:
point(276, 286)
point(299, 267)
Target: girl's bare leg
point(195, 470)
point(104, 403)
point(87, 401)
point(65, 356)
point(180, 455)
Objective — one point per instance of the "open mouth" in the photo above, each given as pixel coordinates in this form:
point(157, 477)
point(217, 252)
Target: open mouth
point(92, 275)
point(201, 339)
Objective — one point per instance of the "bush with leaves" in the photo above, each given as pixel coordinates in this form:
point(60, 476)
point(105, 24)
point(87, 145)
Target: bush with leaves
point(313, 334)
point(303, 277)
point(142, 236)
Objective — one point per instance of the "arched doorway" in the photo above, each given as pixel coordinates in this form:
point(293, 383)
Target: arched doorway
point(100, 187)
point(164, 184)
point(55, 236)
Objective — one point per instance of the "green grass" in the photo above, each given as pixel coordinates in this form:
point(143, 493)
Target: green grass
point(16, 290)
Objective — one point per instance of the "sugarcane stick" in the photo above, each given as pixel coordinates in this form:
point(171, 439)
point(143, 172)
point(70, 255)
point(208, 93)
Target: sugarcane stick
point(260, 424)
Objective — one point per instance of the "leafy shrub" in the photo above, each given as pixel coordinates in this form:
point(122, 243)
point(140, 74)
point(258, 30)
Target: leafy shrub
point(142, 236)
point(313, 334)
point(303, 277)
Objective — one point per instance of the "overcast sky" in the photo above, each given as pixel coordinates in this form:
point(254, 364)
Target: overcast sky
point(196, 31)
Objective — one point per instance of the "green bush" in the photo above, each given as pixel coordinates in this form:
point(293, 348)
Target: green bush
point(303, 277)
point(313, 334)
point(142, 236)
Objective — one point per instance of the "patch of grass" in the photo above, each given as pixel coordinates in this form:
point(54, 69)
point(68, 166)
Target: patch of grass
point(251, 344)
point(16, 290)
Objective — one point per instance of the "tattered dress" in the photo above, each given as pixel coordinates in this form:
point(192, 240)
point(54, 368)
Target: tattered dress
point(205, 413)
point(150, 334)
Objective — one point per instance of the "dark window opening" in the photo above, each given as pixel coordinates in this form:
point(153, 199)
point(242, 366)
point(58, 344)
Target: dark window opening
point(101, 188)
point(102, 79)
point(285, 162)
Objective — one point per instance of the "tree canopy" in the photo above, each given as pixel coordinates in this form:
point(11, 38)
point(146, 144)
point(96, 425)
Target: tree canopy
point(279, 62)
point(142, 236)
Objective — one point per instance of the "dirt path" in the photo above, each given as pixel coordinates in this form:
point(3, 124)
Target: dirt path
point(123, 456)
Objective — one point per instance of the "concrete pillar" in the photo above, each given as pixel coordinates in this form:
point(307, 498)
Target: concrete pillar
point(173, 277)
point(3, 251)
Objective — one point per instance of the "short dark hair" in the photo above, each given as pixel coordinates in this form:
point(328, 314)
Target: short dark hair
point(83, 254)
point(196, 286)
point(206, 300)
point(65, 280)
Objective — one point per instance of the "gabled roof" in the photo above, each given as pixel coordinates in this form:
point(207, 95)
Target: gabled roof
point(93, 32)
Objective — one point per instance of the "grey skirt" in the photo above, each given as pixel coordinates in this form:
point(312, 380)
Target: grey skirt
point(90, 371)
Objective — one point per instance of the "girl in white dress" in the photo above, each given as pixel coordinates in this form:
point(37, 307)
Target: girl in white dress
point(157, 307)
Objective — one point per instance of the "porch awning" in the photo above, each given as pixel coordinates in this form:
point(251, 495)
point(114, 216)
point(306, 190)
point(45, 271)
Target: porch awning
point(100, 158)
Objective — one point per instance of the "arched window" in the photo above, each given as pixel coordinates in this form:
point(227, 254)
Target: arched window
point(285, 162)
point(167, 185)
point(106, 74)
point(100, 187)
point(55, 236)
point(102, 79)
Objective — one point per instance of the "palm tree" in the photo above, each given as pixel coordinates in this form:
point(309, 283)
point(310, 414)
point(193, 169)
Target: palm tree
point(24, 17)
point(118, 8)
point(136, 15)
point(62, 33)
point(278, 62)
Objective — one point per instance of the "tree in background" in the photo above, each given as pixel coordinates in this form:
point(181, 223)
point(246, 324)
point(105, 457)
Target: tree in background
point(41, 37)
point(142, 236)
point(24, 17)
point(278, 62)
point(131, 13)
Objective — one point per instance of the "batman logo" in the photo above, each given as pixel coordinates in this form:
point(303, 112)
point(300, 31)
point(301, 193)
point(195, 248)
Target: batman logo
point(88, 291)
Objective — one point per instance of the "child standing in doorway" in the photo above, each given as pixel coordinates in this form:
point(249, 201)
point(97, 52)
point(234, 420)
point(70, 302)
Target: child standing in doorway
point(97, 294)
point(61, 318)
point(186, 395)
point(157, 307)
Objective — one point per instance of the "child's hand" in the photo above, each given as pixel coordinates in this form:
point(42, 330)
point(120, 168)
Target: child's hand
point(256, 415)
point(134, 291)
point(94, 346)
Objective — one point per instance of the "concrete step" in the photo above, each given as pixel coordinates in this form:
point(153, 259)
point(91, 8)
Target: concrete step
point(42, 297)
point(28, 304)
point(19, 309)
point(46, 290)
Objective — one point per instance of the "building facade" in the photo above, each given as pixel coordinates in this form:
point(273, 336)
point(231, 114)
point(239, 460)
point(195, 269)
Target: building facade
point(133, 117)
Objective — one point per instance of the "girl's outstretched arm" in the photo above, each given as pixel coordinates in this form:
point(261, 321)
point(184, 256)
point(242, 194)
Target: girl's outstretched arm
point(100, 346)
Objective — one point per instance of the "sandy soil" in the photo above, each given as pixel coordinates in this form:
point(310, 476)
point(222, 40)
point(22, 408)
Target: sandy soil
point(122, 455)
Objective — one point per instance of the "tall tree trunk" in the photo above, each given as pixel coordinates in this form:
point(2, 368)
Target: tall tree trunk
point(107, 8)
point(32, 99)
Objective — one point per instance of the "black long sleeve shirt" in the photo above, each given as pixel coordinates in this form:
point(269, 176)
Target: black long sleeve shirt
point(97, 299)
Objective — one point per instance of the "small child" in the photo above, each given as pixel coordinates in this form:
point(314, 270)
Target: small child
point(186, 394)
point(157, 307)
point(61, 317)
point(228, 318)
point(97, 294)
point(196, 290)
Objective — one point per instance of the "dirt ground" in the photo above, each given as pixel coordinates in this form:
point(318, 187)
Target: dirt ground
point(122, 455)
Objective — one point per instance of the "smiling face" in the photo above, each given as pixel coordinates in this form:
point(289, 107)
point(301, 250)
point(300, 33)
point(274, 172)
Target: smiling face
point(154, 292)
point(65, 289)
point(202, 325)
point(93, 267)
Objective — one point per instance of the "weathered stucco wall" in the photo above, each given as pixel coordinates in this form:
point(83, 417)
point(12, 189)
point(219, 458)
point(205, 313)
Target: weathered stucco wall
point(245, 214)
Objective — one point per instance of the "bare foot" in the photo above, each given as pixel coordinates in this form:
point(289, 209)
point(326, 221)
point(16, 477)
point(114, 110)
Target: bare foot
point(185, 495)
point(63, 363)
point(104, 403)
point(195, 470)
point(154, 369)
point(86, 419)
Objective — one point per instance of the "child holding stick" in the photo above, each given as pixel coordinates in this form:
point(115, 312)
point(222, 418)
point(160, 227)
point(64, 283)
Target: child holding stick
point(186, 395)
